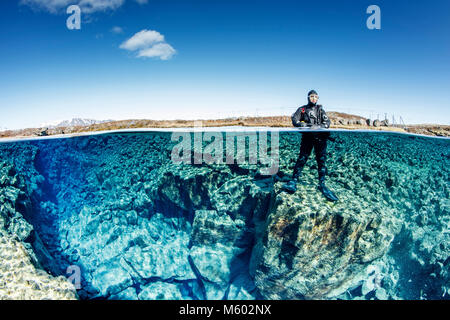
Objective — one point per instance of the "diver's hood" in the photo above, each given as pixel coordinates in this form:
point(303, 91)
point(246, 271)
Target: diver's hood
point(309, 101)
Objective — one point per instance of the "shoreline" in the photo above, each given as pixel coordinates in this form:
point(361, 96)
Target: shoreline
point(210, 129)
point(338, 122)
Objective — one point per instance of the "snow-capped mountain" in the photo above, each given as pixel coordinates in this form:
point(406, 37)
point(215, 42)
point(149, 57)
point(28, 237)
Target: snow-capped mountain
point(72, 123)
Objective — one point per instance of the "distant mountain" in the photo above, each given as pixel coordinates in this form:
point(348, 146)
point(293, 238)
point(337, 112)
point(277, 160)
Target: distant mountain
point(75, 122)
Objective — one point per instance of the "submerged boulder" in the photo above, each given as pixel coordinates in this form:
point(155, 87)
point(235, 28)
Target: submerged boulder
point(317, 253)
point(217, 242)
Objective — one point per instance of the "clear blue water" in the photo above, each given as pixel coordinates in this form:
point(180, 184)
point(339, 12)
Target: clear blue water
point(143, 227)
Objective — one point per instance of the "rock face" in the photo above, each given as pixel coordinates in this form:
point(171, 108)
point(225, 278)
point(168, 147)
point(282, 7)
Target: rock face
point(140, 226)
point(21, 278)
point(21, 275)
point(315, 253)
point(218, 252)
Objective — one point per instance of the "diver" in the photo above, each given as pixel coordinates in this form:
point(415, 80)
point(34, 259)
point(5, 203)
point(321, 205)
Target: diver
point(313, 116)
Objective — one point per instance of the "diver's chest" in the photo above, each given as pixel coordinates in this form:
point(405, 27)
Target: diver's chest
point(311, 114)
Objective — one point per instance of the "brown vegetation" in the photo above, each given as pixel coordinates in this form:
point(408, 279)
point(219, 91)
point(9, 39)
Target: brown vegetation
point(338, 119)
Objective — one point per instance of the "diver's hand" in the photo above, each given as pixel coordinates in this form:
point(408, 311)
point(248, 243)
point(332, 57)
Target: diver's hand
point(303, 124)
point(315, 127)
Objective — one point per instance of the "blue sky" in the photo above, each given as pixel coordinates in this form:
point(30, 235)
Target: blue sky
point(229, 58)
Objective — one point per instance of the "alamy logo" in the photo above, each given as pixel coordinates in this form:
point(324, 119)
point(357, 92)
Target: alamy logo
point(209, 147)
point(74, 273)
point(374, 21)
point(74, 21)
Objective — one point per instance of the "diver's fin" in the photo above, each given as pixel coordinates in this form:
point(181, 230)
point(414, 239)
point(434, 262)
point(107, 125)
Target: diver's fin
point(327, 192)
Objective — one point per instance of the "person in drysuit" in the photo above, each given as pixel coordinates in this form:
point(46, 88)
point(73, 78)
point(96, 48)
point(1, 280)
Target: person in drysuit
point(311, 116)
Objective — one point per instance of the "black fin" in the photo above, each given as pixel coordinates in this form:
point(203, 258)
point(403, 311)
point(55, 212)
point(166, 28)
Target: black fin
point(327, 193)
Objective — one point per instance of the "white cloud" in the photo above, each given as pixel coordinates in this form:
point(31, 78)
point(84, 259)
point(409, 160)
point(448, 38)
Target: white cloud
point(52, 6)
point(90, 6)
point(149, 44)
point(87, 6)
point(142, 39)
point(164, 51)
point(117, 30)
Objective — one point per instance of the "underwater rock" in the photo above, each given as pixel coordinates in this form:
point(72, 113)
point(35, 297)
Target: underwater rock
point(241, 197)
point(315, 253)
point(14, 203)
point(111, 278)
point(242, 288)
point(164, 261)
point(185, 191)
point(211, 228)
point(127, 294)
point(21, 279)
point(216, 242)
point(141, 226)
point(21, 274)
point(162, 291)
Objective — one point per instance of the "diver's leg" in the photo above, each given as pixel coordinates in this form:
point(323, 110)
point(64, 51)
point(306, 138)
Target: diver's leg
point(305, 150)
point(320, 149)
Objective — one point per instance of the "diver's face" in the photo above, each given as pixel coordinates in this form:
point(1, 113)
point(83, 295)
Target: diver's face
point(314, 98)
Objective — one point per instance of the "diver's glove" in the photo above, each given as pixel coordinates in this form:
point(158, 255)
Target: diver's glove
point(327, 192)
point(315, 127)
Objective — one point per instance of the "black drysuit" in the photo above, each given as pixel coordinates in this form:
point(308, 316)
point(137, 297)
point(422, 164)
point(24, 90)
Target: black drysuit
point(312, 115)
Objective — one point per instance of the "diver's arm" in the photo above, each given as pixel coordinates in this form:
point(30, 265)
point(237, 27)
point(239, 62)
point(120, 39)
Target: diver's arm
point(297, 120)
point(324, 120)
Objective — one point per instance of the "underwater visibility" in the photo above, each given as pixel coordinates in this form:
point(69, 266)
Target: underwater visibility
point(152, 215)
